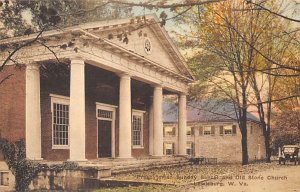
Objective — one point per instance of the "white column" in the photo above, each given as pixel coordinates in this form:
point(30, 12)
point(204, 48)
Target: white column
point(151, 141)
point(157, 122)
point(125, 117)
point(77, 111)
point(182, 125)
point(33, 113)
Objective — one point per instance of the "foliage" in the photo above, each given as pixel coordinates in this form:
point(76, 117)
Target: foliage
point(19, 18)
point(240, 58)
point(287, 120)
point(68, 165)
point(23, 170)
point(286, 129)
point(225, 40)
point(25, 17)
point(282, 137)
point(26, 170)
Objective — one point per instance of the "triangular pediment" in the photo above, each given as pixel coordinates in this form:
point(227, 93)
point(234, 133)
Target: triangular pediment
point(148, 40)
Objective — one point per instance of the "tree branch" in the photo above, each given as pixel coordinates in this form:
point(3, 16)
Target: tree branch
point(9, 57)
point(6, 78)
point(165, 6)
point(272, 12)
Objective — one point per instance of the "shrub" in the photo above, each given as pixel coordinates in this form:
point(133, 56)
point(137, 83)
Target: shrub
point(23, 169)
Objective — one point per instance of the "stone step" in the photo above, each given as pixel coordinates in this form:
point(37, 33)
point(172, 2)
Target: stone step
point(129, 165)
point(146, 166)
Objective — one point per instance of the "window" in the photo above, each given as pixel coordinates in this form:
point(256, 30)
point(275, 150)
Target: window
point(189, 130)
point(228, 130)
point(105, 114)
point(4, 178)
point(168, 148)
point(137, 128)
point(208, 130)
point(190, 148)
point(60, 121)
point(169, 131)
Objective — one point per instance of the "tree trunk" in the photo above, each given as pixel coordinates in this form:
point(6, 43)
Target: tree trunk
point(266, 134)
point(244, 144)
point(264, 125)
point(243, 124)
point(267, 146)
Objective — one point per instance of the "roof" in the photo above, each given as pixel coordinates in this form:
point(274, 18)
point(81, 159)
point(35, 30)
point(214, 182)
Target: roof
point(205, 111)
point(115, 24)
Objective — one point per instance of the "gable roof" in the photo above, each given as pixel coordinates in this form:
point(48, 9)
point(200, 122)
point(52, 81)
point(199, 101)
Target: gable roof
point(88, 29)
point(205, 111)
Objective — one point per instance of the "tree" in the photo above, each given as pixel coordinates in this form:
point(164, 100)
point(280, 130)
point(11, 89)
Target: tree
point(280, 48)
point(236, 53)
point(229, 31)
point(24, 18)
point(222, 32)
point(19, 18)
point(286, 129)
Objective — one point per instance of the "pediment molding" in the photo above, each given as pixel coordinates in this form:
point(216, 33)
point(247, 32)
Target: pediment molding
point(90, 30)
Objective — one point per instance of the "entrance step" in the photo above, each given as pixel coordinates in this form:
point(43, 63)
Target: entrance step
point(130, 165)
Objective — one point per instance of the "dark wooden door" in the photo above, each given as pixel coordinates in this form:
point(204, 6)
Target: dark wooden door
point(104, 138)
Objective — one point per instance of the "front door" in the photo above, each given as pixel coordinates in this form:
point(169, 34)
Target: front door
point(104, 138)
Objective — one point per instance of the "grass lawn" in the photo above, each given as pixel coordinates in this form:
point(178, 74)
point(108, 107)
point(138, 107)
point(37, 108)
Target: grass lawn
point(179, 176)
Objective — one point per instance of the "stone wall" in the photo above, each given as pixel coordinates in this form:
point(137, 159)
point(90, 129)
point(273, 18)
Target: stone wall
point(70, 180)
point(226, 148)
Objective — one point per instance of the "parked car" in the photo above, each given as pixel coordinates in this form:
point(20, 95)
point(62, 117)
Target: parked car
point(289, 153)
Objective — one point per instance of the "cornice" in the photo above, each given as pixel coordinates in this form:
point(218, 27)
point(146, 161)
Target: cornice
point(116, 49)
point(87, 31)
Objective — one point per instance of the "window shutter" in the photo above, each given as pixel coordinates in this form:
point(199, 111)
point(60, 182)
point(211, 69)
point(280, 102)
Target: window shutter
point(173, 148)
point(201, 130)
point(221, 130)
point(193, 148)
point(233, 129)
point(164, 145)
point(192, 131)
point(173, 131)
point(164, 131)
point(212, 130)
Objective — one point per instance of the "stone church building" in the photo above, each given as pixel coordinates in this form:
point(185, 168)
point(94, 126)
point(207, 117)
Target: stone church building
point(213, 132)
point(104, 96)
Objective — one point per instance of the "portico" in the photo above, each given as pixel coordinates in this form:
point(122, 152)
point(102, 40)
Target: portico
point(109, 85)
